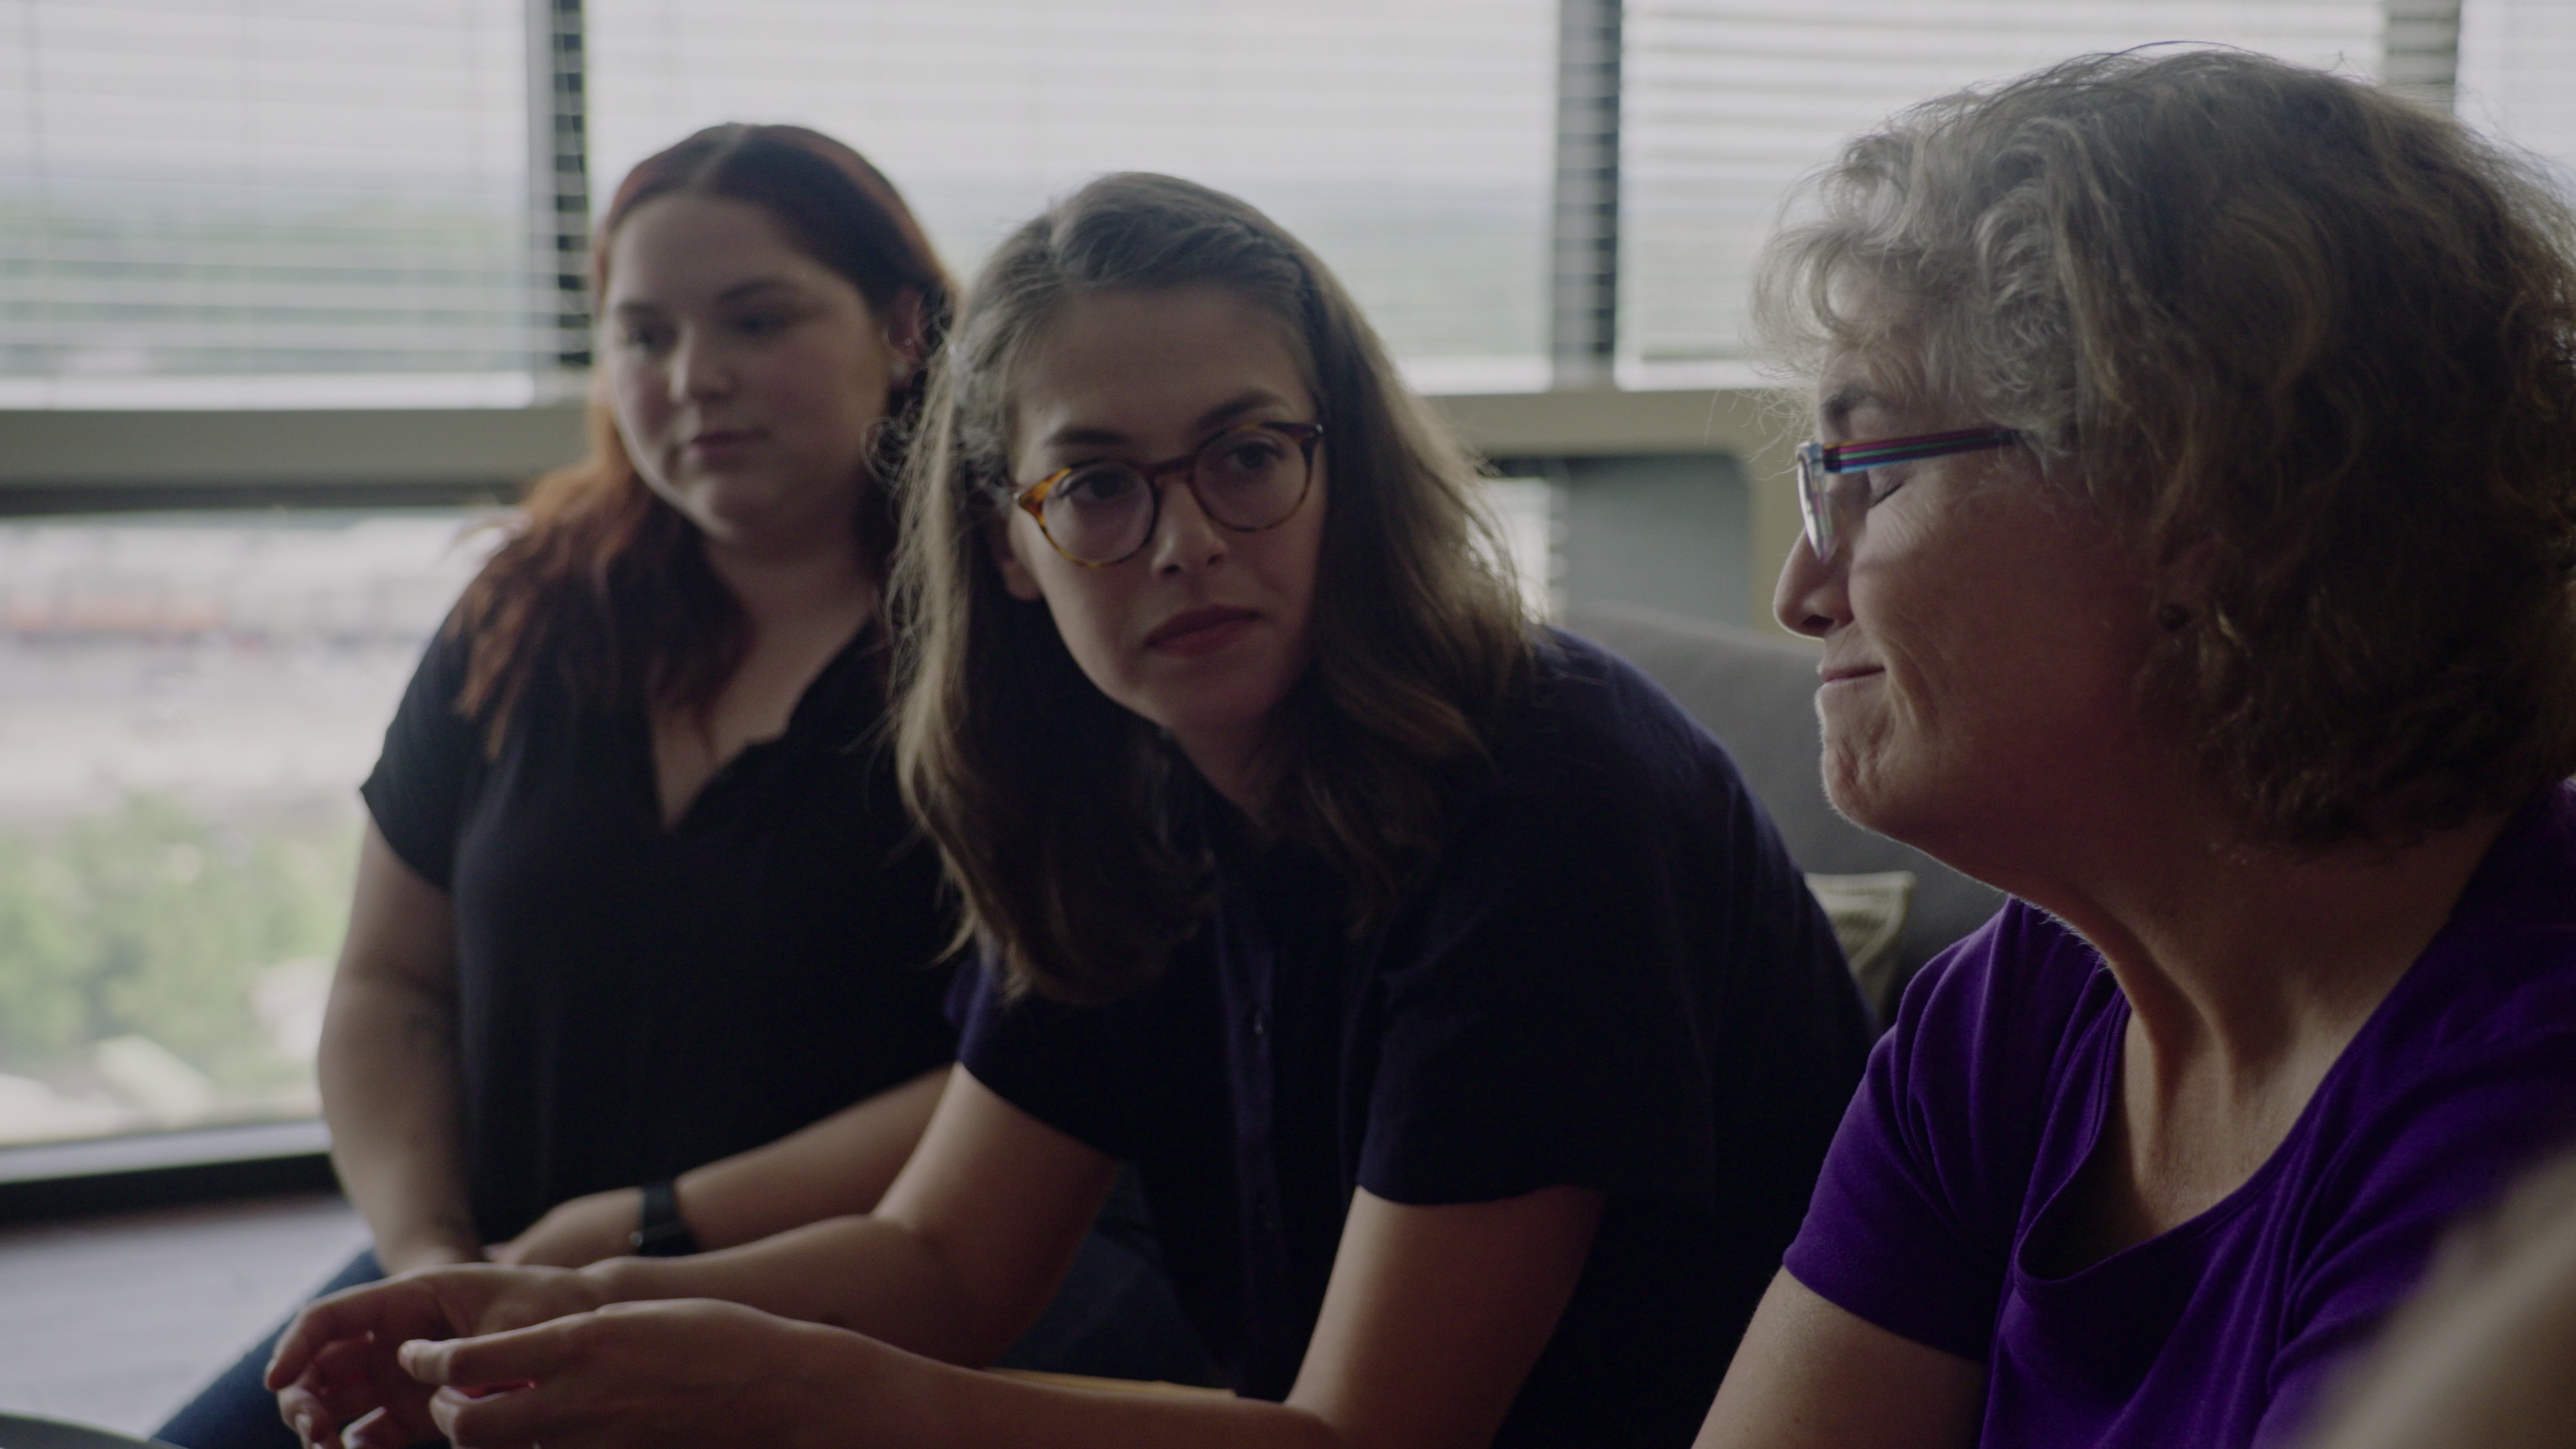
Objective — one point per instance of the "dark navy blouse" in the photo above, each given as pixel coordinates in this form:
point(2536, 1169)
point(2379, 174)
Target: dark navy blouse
point(636, 1000)
point(1613, 978)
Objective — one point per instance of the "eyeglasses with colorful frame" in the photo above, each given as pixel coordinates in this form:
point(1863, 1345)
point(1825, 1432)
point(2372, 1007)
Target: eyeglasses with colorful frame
point(1825, 500)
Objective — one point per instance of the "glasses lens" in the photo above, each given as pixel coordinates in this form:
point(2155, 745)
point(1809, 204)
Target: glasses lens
point(1250, 478)
point(1100, 513)
point(1813, 508)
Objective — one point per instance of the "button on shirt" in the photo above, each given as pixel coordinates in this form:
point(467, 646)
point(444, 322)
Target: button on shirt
point(1612, 978)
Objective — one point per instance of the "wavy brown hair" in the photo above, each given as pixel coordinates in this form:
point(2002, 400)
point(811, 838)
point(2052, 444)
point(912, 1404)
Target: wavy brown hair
point(604, 582)
point(2309, 346)
point(1057, 810)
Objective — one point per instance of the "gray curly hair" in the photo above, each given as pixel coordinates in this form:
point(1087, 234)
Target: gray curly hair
point(2308, 346)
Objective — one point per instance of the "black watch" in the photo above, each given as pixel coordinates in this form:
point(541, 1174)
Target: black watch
point(659, 1233)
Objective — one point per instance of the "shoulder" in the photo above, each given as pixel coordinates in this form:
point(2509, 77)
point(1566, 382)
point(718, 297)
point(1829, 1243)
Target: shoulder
point(1606, 827)
point(1580, 699)
point(2464, 1077)
point(2498, 983)
point(1589, 736)
point(1990, 1031)
point(2016, 982)
point(431, 701)
point(1597, 796)
point(1998, 1041)
point(2472, 1057)
point(2511, 938)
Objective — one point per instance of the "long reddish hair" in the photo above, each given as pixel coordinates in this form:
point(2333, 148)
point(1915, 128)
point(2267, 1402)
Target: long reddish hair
point(602, 578)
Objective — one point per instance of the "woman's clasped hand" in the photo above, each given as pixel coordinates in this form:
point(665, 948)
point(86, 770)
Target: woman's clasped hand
point(487, 1357)
point(343, 1370)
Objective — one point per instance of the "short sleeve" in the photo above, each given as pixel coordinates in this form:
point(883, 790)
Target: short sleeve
point(1057, 1063)
point(1596, 957)
point(432, 756)
point(2441, 1154)
point(1913, 1218)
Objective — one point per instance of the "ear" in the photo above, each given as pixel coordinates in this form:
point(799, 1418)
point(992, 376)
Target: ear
point(1001, 538)
point(907, 328)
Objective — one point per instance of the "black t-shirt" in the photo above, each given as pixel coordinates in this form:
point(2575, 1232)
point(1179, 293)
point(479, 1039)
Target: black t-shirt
point(1613, 978)
point(635, 1000)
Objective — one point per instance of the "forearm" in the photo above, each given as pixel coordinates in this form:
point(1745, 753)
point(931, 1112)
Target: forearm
point(391, 1096)
point(1813, 1375)
point(865, 1274)
point(856, 1401)
point(835, 1168)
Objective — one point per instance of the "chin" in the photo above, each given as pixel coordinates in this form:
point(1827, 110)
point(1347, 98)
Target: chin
point(1862, 793)
point(1212, 708)
point(1202, 716)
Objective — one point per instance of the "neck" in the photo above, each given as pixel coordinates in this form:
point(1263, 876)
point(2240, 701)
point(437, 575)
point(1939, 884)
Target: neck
point(789, 586)
point(1235, 763)
point(2248, 967)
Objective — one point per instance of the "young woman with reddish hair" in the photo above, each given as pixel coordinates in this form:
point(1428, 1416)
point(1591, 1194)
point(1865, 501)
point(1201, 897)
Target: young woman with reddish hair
point(641, 957)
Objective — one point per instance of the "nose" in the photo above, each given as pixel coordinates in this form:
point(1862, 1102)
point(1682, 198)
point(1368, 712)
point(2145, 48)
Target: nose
point(1812, 598)
point(1185, 538)
point(699, 369)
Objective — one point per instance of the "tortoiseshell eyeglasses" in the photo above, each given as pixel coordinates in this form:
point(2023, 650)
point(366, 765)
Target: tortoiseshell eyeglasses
point(1246, 478)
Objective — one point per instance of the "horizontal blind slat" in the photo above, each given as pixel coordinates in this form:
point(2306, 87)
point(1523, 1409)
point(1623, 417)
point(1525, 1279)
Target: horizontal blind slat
point(1410, 142)
point(1729, 102)
point(261, 187)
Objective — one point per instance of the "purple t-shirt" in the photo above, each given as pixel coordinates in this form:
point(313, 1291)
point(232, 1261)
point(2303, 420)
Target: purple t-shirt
point(1984, 1102)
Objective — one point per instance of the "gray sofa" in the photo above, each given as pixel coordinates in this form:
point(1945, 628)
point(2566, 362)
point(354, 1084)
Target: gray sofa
point(1757, 693)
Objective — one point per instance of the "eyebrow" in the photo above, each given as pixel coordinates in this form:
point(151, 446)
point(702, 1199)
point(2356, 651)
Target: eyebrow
point(738, 292)
point(1834, 410)
point(1077, 435)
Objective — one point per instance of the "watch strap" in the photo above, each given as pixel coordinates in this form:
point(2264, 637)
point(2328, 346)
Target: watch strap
point(659, 1233)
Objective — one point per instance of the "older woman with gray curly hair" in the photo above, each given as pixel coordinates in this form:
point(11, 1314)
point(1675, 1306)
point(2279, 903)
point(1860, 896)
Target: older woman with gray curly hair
point(2189, 534)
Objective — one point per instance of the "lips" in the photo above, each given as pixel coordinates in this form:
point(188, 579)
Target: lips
point(713, 440)
point(1195, 631)
point(1837, 673)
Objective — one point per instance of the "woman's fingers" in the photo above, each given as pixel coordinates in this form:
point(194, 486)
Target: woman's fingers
point(489, 1395)
point(380, 1430)
point(337, 1388)
point(504, 1420)
point(348, 1381)
point(432, 1303)
point(388, 1312)
point(495, 1360)
point(677, 1373)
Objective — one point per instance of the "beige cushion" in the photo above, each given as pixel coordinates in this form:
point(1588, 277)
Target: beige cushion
point(1868, 912)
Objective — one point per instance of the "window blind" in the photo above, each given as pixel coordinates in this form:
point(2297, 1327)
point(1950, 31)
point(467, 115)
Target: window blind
point(1410, 142)
point(2518, 77)
point(231, 202)
point(1728, 102)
